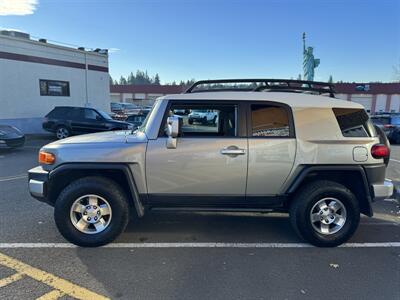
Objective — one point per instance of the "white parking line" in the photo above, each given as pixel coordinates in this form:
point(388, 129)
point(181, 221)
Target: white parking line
point(198, 245)
point(9, 178)
point(395, 160)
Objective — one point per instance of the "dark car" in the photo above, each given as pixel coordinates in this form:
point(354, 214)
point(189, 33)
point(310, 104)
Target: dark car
point(11, 136)
point(65, 121)
point(137, 120)
point(390, 124)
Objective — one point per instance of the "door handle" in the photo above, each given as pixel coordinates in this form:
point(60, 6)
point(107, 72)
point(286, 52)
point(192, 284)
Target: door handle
point(232, 150)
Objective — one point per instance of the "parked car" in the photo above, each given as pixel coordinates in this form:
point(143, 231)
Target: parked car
point(268, 151)
point(137, 120)
point(390, 124)
point(11, 136)
point(65, 121)
point(202, 116)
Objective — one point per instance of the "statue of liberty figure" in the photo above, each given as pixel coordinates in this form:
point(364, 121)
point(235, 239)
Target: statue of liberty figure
point(309, 62)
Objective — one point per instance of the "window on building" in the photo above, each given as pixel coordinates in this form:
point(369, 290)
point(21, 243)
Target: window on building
point(54, 88)
point(207, 120)
point(354, 122)
point(269, 121)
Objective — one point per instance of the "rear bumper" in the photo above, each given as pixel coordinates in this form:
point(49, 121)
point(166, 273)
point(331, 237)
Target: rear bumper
point(383, 190)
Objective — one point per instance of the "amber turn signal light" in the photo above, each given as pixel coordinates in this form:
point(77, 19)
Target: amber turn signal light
point(46, 158)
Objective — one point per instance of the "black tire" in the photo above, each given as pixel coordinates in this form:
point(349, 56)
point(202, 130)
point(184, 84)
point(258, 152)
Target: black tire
point(103, 187)
point(307, 197)
point(214, 121)
point(190, 121)
point(62, 132)
point(204, 121)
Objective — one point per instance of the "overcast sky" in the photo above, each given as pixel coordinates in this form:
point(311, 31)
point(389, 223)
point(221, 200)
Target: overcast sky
point(355, 40)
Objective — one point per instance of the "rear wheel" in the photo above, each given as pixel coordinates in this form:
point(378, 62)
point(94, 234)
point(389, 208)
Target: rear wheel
point(91, 211)
point(62, 132)
point(325, 213)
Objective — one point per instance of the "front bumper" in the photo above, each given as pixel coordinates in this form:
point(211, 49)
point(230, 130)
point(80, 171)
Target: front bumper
point(38, 180)
point(383, 190)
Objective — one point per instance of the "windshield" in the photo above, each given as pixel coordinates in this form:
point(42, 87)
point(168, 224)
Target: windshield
point(104, 115)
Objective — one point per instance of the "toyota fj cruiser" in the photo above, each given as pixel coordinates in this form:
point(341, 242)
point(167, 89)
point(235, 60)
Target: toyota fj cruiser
point(276, 145)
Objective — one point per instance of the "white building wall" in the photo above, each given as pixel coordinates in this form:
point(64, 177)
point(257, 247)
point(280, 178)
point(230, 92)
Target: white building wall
point(380, 103)
point(341, 96)
point(363, 99)
point(20, 100)
point(395, 103)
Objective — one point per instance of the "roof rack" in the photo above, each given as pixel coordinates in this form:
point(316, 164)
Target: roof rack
point(257, 85)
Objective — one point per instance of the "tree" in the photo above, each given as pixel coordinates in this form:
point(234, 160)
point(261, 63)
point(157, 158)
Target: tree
point(111, 80)
point(156, 79)
point(122, 80)
point(299, 77)
point(330, 80)
point(396, 71)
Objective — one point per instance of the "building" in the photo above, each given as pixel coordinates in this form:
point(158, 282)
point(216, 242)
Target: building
point(36, 76)
point(375, 97)
point(142, 94)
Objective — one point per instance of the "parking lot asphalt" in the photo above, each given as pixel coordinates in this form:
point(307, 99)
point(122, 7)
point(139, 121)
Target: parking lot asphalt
point(190, 255)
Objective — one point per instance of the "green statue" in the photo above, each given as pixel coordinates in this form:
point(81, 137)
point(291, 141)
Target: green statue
point(309, 62)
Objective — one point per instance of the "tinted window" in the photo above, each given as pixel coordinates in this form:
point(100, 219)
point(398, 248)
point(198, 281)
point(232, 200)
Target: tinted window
point(58, 112)
point(53, 88)
point(354, 122)
point(91, 114)
point(207, 119)
point(269, 121)
point(75, 113)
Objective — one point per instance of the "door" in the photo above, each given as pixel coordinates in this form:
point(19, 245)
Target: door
point(272, 149)
point(208, 166)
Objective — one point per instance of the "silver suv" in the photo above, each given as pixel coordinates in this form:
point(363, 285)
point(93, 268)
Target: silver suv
point(276, 145)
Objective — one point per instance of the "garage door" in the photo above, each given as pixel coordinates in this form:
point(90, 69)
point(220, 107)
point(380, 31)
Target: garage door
point(365, 101)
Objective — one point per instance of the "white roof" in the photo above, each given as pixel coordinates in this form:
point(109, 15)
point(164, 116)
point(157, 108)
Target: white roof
point(291, 99)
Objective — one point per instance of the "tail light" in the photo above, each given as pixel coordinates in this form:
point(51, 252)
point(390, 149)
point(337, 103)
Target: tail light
point(380, 151)
point(388, 126)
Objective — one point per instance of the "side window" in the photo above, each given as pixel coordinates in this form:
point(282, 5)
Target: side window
point(75, 114)
point(206, 120)
point(91, 114)
point(354, 122)
point(269, 121)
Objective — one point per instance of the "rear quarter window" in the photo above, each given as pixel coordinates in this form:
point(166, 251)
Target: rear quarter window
point(354, 122)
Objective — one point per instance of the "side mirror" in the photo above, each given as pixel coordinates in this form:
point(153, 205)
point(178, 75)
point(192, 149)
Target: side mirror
point(174, 124)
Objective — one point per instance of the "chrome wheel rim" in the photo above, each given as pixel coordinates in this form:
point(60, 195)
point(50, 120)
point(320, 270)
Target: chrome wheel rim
point(91, 214)
point(62, 133)
point(328, 216)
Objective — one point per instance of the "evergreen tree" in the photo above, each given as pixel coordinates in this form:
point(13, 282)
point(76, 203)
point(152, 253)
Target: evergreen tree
point(122, 80)
point(156, 80)
point(330, 80)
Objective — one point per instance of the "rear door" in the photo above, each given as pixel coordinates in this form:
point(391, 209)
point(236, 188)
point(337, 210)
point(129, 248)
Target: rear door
point(272, 149)
point(208, 166)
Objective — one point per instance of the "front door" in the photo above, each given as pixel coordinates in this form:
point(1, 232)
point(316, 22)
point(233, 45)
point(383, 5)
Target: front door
point(208, 166)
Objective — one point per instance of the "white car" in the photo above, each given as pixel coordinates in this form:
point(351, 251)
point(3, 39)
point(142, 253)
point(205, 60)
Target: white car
point(203, 116)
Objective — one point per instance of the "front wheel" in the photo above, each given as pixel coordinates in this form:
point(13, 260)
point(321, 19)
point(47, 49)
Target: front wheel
point(325, 213)
point(91, 211)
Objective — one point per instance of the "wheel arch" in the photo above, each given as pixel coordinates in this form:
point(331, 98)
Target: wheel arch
point(63, 175)
point(352, 177)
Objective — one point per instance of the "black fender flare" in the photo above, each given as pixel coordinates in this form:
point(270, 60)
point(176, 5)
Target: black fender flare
point(104, 166)
point(306, 170)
